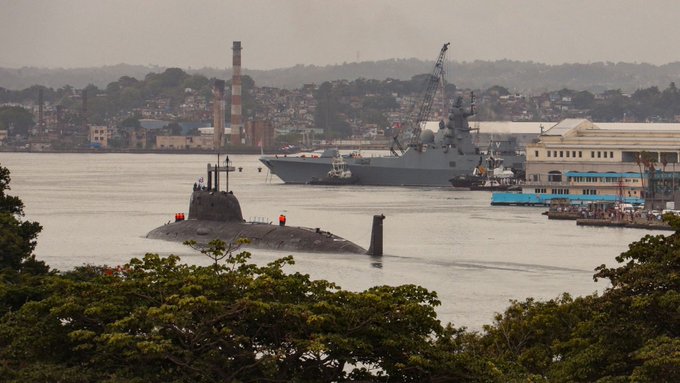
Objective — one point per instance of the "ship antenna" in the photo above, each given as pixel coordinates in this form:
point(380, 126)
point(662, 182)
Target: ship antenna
point(472, 102)
point(217, 173)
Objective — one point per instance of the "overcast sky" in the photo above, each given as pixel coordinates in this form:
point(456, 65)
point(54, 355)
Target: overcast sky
point(283, 33)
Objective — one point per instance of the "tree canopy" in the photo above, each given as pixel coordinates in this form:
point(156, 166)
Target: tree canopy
point(16, 119)
point(155, 319)
point(17, 237)
point(631, 333)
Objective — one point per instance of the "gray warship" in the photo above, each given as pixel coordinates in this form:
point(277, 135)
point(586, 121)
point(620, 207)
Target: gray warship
point(430, 158)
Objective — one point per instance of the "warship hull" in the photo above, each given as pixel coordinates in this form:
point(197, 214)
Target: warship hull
point(432, 167)
point(432, 160)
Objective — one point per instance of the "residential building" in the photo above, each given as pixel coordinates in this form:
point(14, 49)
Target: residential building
point(184, 142)
point(136, 138)
point(99, 136)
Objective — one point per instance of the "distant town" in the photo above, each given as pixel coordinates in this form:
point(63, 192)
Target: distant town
point(176, 111)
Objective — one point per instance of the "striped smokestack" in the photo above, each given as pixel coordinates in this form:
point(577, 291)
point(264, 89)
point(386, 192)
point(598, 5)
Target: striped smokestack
point(41, 115)
point(218, 114)
point(236, 120)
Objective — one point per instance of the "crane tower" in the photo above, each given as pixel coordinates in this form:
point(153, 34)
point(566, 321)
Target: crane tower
point(432, 84)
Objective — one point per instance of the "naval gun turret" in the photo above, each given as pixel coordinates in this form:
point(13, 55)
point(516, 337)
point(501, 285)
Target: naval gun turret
point(215, 214)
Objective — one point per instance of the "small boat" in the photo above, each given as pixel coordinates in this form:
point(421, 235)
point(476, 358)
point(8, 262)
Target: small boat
point(466, 181)
point(493, 184)
point(338, 175)
point(495, 177)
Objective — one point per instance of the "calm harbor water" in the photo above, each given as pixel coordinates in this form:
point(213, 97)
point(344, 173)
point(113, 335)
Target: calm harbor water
point(97, 208)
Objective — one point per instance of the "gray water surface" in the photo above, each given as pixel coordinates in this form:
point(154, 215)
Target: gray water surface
point(97, 208)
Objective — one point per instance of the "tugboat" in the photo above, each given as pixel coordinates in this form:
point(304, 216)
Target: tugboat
point(495, 177)
point(338, 175)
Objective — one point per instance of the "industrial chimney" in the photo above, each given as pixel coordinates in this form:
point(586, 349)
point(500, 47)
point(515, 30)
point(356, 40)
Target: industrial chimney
point(218, 114)
point(84, 110)
point(41, 115)
point(236, 120)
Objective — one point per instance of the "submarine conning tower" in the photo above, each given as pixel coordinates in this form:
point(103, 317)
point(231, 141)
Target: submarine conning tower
point(220, 206)
point(211, 204)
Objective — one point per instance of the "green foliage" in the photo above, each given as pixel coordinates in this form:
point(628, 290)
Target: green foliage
point(583, 100)
point(8, 204)
point(16, 119)
point(340, 102)
point(131, 122)
point(195, 82)
point(17, 237)
point(330, 111)
point(217, 250)
point(20, 272)
point(128, 93)
point(530, 337)
point(497, 91)
point(630, 333)
point(17, 241)
point(660, 359)
point(156, 319)
point(172, 129)
point(641, 306)
point(172, 77)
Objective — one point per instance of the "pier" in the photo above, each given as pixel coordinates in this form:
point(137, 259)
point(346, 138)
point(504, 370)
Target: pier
point(648, 225)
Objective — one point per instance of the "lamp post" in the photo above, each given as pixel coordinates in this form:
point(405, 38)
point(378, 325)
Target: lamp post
point(226, 165)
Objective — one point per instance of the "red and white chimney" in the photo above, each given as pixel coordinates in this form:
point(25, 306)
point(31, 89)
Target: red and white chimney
point(237, 136)
point(218, 114)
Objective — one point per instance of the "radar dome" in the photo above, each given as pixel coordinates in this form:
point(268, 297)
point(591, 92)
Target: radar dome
point(427, 136)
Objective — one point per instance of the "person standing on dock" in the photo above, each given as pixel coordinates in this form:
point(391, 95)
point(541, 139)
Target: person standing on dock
point(282, 220)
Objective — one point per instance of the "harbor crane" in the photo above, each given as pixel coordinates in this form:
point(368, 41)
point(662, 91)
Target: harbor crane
point(432, 86)
point(428, 98)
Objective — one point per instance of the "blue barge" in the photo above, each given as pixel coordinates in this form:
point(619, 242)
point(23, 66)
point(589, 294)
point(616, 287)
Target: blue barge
point(533, 199)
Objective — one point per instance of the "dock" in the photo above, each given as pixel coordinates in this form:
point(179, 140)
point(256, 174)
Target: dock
point(649, 225)
point(521, 199)
point(518, 199)
point(563, 215)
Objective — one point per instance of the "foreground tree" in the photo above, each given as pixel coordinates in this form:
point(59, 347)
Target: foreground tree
point(640, 329)
point(16, 119)
point(158, 320)
point(20, 272)
point(630, 333)
point(17, 237)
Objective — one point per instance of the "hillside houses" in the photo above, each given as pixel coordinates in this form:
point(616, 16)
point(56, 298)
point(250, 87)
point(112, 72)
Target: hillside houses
point(342, 109)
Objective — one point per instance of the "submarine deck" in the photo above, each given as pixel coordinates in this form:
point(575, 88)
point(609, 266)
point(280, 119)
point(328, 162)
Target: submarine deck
point(265, 236)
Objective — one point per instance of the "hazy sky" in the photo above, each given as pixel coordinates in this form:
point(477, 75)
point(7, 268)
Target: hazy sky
point(283, 33)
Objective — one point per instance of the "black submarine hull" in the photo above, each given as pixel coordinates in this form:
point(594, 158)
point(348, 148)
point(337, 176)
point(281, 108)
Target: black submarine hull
point(217, 215)
point(262, 236)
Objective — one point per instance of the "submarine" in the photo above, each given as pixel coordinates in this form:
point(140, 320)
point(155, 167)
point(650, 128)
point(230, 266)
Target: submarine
point(216, 214)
